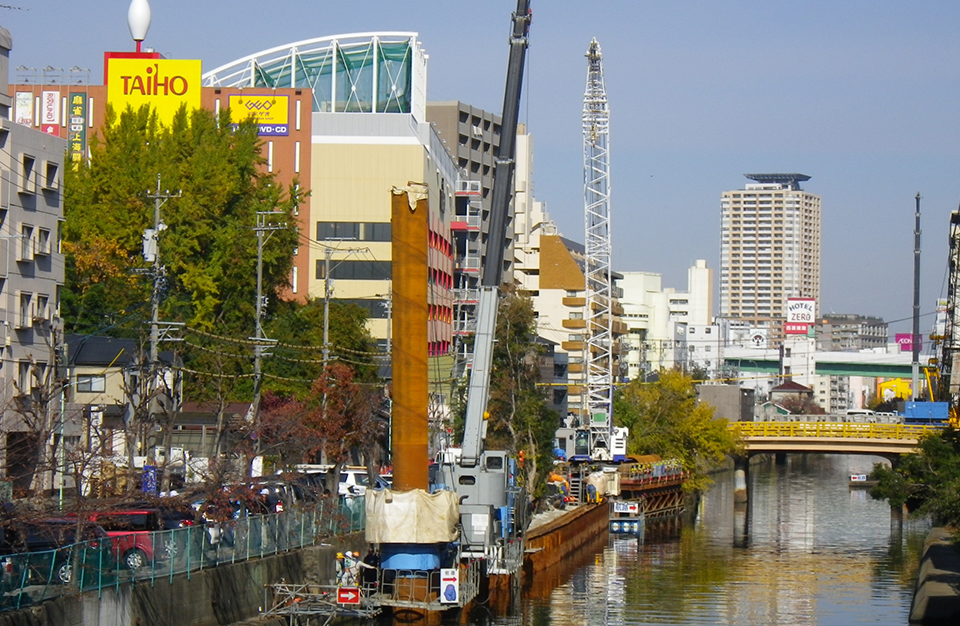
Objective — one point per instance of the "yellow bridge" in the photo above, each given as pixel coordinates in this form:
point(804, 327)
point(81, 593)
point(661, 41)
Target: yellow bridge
point(843, 438)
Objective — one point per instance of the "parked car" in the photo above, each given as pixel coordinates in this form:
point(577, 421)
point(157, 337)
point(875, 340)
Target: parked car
point(131, 532)
point(51, 551)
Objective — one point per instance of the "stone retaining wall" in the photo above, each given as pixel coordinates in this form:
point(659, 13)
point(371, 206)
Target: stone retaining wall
point(936, 597)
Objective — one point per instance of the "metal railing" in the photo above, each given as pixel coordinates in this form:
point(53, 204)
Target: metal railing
point(97, 564)
point(832, 429)
point(422, 589)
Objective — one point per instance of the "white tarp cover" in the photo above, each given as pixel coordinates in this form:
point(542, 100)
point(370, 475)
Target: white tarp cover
point(598, 480)
point(411, 516)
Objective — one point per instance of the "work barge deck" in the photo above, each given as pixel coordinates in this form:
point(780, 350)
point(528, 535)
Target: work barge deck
point(581, 524)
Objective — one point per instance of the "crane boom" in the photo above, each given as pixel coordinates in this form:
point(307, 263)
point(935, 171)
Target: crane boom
point(479, 388)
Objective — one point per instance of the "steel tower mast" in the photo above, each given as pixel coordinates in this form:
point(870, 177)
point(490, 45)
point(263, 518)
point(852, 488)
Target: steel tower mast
point(598, 357)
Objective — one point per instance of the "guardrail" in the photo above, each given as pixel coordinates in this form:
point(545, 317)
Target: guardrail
point(832, 429)
point(97, 564)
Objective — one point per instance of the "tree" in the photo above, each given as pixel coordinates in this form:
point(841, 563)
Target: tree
point(928, 481)
point(520, 420)
point(337, 415)
point(298, 330)
point(665, 418)
point(208, 246)
point(34, 418)
point(801, 404)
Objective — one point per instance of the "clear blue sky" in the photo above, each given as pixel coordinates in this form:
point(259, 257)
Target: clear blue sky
point(862, 95)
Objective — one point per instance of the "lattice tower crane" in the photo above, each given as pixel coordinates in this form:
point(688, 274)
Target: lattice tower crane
point(597, 413)
point(949, 369)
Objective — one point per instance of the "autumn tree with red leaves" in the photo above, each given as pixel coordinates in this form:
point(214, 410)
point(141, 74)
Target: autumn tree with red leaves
point(337, 414)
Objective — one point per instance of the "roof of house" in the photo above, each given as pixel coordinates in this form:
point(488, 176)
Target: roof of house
point(106, 351)
point(791, 386)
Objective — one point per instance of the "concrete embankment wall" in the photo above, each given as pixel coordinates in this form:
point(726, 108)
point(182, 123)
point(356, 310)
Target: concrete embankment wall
point(936, 598)
point(218, 596)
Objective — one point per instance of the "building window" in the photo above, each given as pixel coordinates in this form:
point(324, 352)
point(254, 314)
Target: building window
point(26, 313)
point(91, 383)
point(356, 231)
point(43, 241)
point(43, 304)
point(357, 270)
point(26, 242)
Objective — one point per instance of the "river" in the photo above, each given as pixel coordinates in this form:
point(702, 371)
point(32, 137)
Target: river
point(810, 551)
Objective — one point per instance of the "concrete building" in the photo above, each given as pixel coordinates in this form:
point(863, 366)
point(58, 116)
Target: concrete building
point(31, 277)
point(849, 332)
point(667, 328)
point(769, 249)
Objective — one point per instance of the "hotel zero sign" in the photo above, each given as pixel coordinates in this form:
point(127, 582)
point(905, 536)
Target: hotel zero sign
point(801, 310)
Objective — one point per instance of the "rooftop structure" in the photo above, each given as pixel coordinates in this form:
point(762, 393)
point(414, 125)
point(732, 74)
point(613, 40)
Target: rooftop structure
point(792, 181)
point(375, 72)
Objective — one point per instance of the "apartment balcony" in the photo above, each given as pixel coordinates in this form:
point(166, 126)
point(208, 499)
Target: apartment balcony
point(574, 324)
point(466, 296)
point(468, 264)
point(469, 188)
point(574, 301)
point(572, 346)
point(576, 368)
point(465, 222)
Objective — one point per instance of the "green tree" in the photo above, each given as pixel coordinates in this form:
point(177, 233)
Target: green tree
point(666, 418)
point(520, 420)
point(298, 355)
point(927, 481)
point(208, 247)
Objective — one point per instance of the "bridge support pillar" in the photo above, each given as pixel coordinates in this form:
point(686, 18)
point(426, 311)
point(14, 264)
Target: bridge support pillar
point(741, 525)
point(741, 466)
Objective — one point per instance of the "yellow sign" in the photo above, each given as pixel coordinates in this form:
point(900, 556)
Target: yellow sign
point(164, 84)
point(270, 111)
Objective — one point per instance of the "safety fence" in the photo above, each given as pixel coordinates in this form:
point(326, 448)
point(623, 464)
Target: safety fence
point(98, 564)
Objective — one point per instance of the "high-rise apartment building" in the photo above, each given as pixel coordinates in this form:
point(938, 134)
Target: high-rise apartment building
point(769, 249)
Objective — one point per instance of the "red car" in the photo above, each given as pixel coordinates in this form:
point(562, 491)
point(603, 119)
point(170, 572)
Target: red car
point(131, 531)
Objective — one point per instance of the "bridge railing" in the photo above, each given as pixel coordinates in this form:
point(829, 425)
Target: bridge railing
point(94, 565)
point(831, 430)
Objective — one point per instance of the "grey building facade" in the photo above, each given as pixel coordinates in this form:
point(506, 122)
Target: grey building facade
point(31, 274)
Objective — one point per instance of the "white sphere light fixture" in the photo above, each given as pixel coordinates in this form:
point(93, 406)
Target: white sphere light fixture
point(138, 19)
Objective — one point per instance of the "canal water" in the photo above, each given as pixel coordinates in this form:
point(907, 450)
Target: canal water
point(807, 551)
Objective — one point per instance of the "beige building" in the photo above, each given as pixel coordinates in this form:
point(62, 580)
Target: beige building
point(769, 249)
point(368, 134)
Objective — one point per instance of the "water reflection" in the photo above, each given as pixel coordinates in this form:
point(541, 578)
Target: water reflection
point(807, 551)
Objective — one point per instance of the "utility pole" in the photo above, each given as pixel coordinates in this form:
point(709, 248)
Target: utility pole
point(328, 293)
point(151, 253)
point(264, 230)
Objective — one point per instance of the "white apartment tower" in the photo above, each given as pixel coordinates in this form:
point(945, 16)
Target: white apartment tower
point(769, 249)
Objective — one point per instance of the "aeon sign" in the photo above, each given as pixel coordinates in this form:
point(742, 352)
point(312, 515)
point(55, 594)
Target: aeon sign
point(163, 84)
point(905, 340)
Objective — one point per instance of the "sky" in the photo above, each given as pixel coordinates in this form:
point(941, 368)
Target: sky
point(861, 95)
